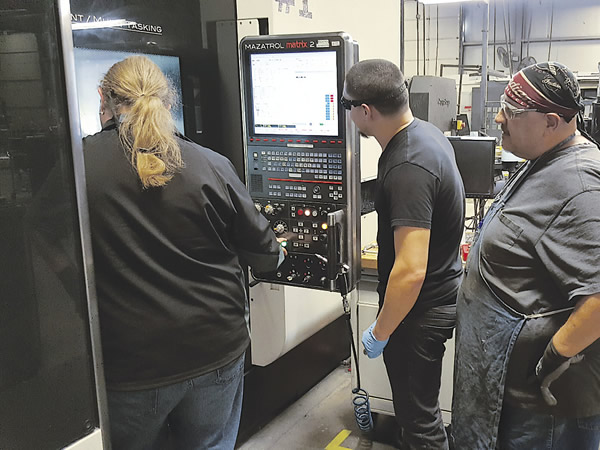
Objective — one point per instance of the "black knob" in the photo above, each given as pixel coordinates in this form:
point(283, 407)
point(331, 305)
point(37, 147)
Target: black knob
point(307, 279)
point(323, 281)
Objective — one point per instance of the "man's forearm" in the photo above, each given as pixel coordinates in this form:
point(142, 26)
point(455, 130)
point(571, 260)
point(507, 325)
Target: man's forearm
point(400, 297)
point(581, 329)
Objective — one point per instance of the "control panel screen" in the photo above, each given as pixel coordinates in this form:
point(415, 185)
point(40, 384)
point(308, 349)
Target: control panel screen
point(90, 67)
point(295, 94)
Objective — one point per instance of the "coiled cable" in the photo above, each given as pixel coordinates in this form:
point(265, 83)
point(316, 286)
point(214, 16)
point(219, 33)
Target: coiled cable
point(360, 401)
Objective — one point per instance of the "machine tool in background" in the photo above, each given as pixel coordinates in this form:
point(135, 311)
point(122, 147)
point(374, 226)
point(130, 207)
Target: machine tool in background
point(433, 99)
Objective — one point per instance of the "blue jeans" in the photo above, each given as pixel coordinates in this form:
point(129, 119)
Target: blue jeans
point(413, 360)
point(522, 429)
point(199, 413)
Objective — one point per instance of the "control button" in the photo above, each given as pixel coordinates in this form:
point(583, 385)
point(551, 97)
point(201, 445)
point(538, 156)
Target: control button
point(269, 209)
point(258, 206)
point(317, 189)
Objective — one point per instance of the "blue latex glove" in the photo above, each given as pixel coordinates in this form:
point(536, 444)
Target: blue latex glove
point(373, 347)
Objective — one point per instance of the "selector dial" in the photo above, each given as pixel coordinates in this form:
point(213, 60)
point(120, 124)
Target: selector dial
point(269, 209)
point(280, 227)
point(258, 206)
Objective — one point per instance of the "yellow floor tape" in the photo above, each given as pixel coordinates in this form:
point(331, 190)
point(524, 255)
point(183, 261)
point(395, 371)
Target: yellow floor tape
point(341, 437)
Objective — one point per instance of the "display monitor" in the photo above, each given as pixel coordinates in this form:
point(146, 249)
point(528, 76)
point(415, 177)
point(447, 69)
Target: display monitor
point(92, 64)
point(294, 94)
point(475, 160)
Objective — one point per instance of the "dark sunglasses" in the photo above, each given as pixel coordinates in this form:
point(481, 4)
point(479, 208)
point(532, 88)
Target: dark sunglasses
point(348, 104)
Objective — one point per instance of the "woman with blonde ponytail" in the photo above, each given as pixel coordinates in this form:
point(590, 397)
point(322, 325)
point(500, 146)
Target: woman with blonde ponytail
point(172, 227)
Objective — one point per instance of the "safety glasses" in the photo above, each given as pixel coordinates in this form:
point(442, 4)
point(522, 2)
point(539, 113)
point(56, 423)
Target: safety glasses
point(511, 111)
point(348, 104)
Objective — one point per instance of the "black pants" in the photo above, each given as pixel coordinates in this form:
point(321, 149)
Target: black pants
point(413, 359)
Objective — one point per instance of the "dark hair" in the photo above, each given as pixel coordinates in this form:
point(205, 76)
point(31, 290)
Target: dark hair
point(379, 83)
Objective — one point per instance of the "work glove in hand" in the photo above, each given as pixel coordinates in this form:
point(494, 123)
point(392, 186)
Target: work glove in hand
point(551, 366)
point(373, 347)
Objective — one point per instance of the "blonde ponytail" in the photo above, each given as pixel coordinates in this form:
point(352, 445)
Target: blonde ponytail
point(136, 89)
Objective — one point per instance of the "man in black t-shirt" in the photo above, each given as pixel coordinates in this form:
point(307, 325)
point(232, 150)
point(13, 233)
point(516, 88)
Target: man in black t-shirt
point(420, 207)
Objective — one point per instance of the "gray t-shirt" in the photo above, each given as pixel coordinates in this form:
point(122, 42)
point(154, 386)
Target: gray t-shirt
point(542, 253)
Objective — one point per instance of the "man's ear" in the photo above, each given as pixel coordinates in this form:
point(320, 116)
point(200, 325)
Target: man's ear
point(552, 121)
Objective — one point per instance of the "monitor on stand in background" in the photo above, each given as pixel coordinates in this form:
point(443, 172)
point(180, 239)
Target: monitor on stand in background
point(475, 159)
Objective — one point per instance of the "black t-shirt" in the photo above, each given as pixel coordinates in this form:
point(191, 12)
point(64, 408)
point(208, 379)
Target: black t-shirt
point(170, 283)
point(418, 185)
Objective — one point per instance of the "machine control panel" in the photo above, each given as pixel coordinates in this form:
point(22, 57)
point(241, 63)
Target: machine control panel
point(302, 159)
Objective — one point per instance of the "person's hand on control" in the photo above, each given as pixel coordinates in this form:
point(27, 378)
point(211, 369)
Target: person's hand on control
point(283, 245)
point(551, 366)
point(373, 347)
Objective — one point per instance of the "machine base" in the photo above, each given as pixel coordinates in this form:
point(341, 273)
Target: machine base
point(269, 390)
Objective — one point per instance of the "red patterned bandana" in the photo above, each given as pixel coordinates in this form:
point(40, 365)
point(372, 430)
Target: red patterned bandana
point(546, 87)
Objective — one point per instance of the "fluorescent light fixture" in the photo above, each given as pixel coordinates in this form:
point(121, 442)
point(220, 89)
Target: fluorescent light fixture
point(437, 2)
point(101, 24)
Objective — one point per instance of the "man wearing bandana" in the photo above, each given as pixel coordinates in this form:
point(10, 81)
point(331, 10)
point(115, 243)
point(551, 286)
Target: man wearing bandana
point(527, 368)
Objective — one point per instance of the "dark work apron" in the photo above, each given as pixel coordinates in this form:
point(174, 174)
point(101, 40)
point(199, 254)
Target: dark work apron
point(486, 332)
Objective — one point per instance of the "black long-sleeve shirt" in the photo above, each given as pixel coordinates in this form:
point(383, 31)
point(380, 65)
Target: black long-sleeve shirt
point(170, 283)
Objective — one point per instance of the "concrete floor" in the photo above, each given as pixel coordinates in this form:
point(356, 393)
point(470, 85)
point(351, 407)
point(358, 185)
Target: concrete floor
point(323, 419)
